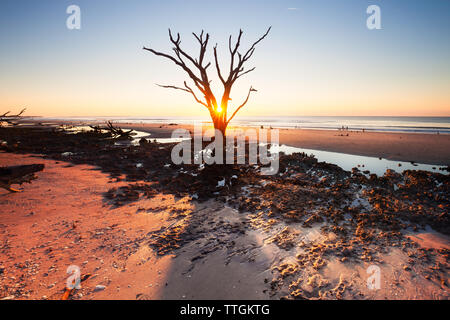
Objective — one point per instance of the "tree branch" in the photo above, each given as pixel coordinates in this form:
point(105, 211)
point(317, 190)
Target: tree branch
point(202, 82)
point(233, 51)
point(238, 71)
point(248, 71)
point(217, 65)
point(188, 89)
point(252, 48)
point(5, 115)
point(195, 97)
point(197, 80)
point(239, 108)
point(12, 119)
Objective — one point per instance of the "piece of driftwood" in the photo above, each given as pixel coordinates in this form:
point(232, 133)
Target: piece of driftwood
point(69, 291)
point(115, 131)
point(18, 175)
point(12, 119)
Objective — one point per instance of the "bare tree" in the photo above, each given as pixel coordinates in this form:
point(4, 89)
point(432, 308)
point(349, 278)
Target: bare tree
point(218, 112)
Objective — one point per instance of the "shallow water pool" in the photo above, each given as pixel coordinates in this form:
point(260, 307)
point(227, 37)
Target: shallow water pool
point(349, 161)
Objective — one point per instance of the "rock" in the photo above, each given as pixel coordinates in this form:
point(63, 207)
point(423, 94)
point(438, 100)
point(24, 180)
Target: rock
point(347, 251)
point(99, 287)
point(66, 154)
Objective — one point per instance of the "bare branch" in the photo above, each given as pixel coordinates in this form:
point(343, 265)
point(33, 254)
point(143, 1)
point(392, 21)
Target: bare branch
point(236, 72)
point(171, 87)
point(197, 80)
point(243, 104)
point(11, 119)
point(178, 49)
point(202, 82)
point(188, 89)
point(20, 113)
point(219, 73)
point(13, 115)
point(114, 131)
point(248, 71)
point(233, 51)
point(195, 97)
point(252, 48)
point(203, 45)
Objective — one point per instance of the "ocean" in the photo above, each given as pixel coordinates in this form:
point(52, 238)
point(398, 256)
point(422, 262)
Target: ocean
point(432, 125)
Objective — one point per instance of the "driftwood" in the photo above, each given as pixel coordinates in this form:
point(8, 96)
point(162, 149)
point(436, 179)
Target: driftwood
point(18, 175)
point(68, 291)
point(114, 131)
point(13, 119)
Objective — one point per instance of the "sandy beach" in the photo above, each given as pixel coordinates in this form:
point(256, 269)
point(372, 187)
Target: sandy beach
point(138, 228)
point(63, 220)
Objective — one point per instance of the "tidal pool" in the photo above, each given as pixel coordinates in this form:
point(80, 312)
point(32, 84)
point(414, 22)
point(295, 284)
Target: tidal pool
point(349, 161)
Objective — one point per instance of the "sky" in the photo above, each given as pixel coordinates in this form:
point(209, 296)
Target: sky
point(320, 59)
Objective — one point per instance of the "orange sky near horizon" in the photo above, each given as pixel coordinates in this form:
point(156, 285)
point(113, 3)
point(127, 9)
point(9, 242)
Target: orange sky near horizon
point(112, 99)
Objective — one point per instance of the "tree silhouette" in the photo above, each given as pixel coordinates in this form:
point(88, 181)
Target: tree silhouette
point(218, 112)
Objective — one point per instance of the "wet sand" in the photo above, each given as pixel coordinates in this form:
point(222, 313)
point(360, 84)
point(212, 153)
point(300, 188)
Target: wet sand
point(417, 147)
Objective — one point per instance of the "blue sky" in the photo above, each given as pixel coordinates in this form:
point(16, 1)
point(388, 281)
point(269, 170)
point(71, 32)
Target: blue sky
point(319, 59)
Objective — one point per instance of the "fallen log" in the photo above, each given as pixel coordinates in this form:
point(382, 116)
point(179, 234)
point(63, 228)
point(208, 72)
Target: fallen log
point(114, 131)
point(11, 119)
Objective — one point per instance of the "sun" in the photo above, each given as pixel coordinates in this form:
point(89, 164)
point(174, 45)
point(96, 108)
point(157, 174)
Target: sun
point(219, 109)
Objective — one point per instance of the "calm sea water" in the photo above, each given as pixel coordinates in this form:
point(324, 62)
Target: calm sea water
point(392, 124)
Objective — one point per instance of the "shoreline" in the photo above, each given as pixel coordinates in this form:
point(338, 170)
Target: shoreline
point(423, 148)
point(409, 147)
